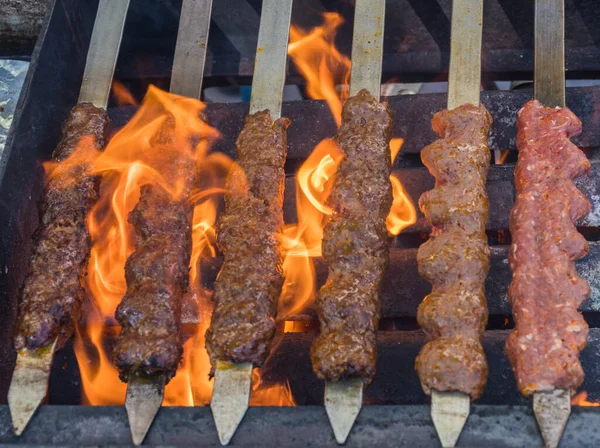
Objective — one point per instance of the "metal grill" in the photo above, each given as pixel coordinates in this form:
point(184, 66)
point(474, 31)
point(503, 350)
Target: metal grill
point(416, 48)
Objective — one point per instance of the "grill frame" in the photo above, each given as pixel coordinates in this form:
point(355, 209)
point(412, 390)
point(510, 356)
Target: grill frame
point(306, 426)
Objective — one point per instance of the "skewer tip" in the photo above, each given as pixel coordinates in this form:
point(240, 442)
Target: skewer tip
point(343, 401)
point(29, 385)
point(143, 400)
point(552, 410)
point(230, 397)
point(449, 412)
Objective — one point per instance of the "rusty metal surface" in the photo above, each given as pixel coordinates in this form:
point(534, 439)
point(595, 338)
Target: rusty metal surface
point(312, 120)
point(403, 288)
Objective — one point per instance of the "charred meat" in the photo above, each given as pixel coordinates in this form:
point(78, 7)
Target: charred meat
point(53, 292)
point(249, 284)
point(157, 275)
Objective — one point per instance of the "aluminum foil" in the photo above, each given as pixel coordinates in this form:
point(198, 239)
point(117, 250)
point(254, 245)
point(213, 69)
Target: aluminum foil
point(12, 76)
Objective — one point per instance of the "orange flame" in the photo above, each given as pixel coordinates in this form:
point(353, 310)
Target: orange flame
point(165, 131)
point(322, 65)
point(581, 400)
point(504, 153)
point(66, 171)
point(265, 394)
point(122, 95)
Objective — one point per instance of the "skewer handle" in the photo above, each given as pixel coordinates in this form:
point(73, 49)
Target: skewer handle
point(464, 78)
point(271, 57)
point(103, 52)
point(367, 47)
point(549, 66)
point(191, 48)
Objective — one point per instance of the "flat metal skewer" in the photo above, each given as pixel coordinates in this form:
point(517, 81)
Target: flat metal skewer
point(343, 399)
point(552, 409)
point(450, 409)
point(32, 370)
point(29, 385)
point(145, 393)
point(231, 393)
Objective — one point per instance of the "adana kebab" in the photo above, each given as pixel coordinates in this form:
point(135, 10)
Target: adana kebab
point(157, 272)
point(52, 293)
point(546, 291)
point(355, 238)
point(452, 365)
point(456, 257)
point(355, 244)
point(246, 291)
point(249, 284)
point(149, 347)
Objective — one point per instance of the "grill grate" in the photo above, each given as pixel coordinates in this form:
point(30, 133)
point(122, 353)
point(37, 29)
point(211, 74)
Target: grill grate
point(416, 47)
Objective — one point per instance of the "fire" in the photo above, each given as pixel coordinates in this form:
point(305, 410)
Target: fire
point(322, 65)
point(81, 159)
point(581, 400)
point(502, 155)
point(122, 95)
point(165, 129)
point(273, 394)
point(402, 213)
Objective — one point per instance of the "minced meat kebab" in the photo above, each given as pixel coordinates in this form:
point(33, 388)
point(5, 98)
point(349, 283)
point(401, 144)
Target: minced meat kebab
point(53, 292)
point(247, 288)
point(355, 244)
point(157, 273)
point(546, 291)
point(456, 257)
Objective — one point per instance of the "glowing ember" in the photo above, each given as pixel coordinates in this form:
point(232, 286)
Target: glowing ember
point(581, 400)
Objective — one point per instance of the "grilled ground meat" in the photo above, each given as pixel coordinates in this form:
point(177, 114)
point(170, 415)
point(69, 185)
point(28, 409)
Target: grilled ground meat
point(52, 292)
point(355, 244)
point(157, 275)
point(249, 284)
point(546, 291)
point(456, 257)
